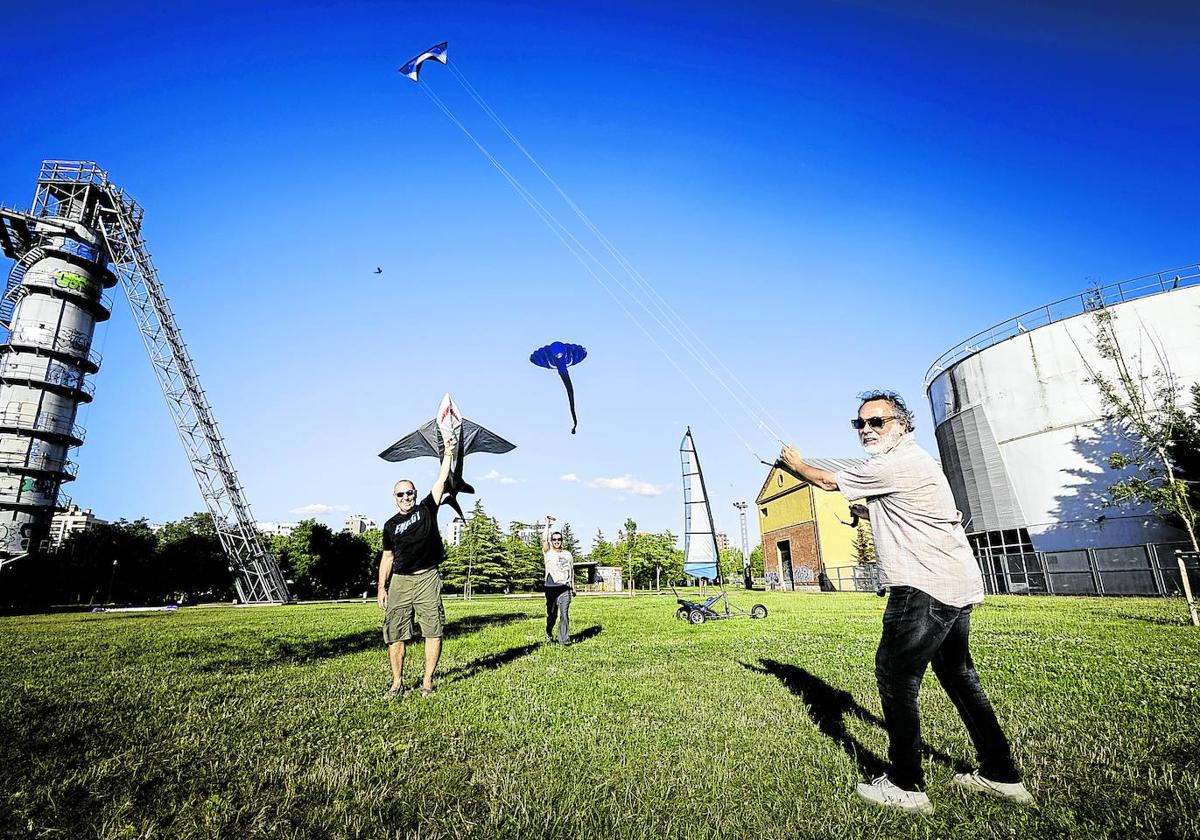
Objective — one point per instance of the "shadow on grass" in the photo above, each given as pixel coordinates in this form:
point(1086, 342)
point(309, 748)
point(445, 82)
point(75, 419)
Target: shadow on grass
point(223, 657)
point(492, 661)
point(585, 634)
point(829, 708)
point(471, 623)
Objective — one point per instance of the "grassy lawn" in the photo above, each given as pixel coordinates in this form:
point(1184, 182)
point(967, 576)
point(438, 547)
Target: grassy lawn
point(270, 722)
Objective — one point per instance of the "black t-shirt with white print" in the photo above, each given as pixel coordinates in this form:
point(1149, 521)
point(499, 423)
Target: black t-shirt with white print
point(413, 539)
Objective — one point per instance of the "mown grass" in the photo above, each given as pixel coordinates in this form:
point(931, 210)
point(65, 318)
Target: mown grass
point(269, 722)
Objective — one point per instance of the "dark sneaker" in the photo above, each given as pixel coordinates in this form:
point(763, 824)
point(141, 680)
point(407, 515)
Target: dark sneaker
point(394, 691)
point(881, 791)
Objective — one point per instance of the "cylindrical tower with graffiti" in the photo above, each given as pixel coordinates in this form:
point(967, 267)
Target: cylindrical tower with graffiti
point(53, 300)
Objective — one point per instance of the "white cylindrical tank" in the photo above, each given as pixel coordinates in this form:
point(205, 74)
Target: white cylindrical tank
point(1020, 422)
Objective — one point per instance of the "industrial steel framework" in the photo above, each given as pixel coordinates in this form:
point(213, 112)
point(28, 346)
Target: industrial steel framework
point(81, 190)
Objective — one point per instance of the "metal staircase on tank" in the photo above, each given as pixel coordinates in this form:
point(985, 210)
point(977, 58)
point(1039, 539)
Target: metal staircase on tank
point(256, 573)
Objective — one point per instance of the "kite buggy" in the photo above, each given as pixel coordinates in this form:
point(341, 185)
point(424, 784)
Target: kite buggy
point(698, 612)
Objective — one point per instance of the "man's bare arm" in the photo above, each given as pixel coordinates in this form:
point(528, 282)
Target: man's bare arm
point(790, 460)
point(439, 484)
point(385, 569)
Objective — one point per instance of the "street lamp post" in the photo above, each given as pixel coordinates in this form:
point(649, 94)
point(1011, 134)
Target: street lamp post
point(746, 570)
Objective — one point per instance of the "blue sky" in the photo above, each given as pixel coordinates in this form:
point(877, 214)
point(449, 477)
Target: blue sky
point(830, 194)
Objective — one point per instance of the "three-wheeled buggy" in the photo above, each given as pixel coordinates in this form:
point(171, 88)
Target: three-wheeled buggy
point(716, 607)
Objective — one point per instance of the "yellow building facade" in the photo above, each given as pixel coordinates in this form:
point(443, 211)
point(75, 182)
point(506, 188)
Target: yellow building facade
point(806, 531)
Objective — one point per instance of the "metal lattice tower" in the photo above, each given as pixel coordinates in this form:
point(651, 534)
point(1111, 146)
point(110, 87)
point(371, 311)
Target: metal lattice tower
point(77, 196)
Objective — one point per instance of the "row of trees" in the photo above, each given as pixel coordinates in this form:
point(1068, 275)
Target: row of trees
point(182, 562)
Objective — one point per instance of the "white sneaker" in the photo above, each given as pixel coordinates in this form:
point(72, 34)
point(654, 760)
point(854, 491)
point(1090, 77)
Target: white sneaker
point(1012, 791)
point(883, 792)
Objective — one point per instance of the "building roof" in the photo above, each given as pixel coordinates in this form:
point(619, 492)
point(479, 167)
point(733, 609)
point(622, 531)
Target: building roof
point(830, 464)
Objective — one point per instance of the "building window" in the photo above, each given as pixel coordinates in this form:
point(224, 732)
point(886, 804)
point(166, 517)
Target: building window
point(764, 513)
point(995, 543)
point(779, 479)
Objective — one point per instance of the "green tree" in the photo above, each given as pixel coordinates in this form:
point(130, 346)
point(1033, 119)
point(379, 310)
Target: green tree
point(756, 561)
point(1149, 409)
point(570, 541)
point(483, 547)
point(524, 560)
point(191, 561)
point(730, 566)
point(864, 545)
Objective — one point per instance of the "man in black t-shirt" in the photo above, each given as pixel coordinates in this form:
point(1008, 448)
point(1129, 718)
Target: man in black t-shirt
point(412, 550)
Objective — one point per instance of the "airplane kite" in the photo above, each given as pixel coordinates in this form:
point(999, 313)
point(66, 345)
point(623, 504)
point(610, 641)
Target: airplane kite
point(413, 68)
point(427, 441)
point(560, 356)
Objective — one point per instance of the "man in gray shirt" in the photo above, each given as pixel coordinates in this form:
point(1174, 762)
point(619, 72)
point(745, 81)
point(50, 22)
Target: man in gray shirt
point(933, 579)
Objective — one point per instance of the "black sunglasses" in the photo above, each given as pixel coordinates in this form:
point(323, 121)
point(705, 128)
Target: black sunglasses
point(406, 493)
point(873, 422)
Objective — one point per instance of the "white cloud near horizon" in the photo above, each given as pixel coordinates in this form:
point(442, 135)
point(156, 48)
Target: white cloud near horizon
point(626, 484)
point(568, 477)
point(495, 475)
point(318, 509)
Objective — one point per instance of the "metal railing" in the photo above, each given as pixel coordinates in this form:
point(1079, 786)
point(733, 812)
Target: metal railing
point(41, 423)
point(1148, 569)
point(42, 463)
point(1068, 307)
point(48, 374)
point(67, 345)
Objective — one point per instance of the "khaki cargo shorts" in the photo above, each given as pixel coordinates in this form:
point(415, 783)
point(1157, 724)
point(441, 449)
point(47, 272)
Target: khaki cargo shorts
point(410, 596)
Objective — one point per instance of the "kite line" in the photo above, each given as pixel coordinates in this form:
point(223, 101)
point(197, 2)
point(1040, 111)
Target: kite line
point(665, 317)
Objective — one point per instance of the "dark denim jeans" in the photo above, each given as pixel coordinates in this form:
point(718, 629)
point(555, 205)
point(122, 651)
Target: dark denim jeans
point(558, 609)
point(919, 630)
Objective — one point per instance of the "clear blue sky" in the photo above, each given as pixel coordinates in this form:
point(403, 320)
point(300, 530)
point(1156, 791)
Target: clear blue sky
point(831, 194)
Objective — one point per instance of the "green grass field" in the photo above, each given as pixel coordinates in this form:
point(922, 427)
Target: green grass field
point(270, 722)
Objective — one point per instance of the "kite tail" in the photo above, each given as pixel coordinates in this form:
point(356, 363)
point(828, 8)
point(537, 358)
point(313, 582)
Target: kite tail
point(566, 378)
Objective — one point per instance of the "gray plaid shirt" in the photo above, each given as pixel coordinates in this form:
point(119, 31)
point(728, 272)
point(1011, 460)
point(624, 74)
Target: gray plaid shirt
point(919, 538)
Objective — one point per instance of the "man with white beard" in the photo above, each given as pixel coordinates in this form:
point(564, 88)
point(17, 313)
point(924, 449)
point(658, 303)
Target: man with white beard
point(933, 582)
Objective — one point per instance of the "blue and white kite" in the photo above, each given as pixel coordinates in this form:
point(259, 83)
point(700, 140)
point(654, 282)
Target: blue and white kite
point(413, 68)
point(560, 356)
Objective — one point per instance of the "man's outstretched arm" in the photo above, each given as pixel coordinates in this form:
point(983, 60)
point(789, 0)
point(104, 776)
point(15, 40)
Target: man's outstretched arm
point(439, 484)
point(790, 460)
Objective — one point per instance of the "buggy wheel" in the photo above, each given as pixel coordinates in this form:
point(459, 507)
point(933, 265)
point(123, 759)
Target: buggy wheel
point(696, 616)
point(682, 614)
point(758, 611)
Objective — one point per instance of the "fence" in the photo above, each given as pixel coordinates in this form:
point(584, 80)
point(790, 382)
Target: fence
point(1150, 569)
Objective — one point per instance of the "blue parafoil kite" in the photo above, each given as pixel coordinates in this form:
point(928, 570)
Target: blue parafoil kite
point(413, 68)
point(560, 356)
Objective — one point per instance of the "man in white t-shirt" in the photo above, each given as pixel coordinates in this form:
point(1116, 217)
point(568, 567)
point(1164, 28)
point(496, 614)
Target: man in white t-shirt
point(934, 581)
point(560, 583)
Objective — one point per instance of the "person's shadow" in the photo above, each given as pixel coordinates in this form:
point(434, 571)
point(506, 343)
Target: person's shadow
point(492, 661)
point(829, 707)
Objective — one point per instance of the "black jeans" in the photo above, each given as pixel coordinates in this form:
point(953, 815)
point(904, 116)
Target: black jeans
point(919, 630)
point(558, 609)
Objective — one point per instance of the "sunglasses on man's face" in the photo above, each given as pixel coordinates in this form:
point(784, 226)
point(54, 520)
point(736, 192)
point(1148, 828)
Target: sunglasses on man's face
point(873, 422)
point(407, 494)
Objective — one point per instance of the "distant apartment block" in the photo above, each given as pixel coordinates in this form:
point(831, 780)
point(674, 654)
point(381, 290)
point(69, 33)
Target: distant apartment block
point(277, 529)
point(359, 524)
point(73, 520)
point(722, 541)
point(454, 531)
